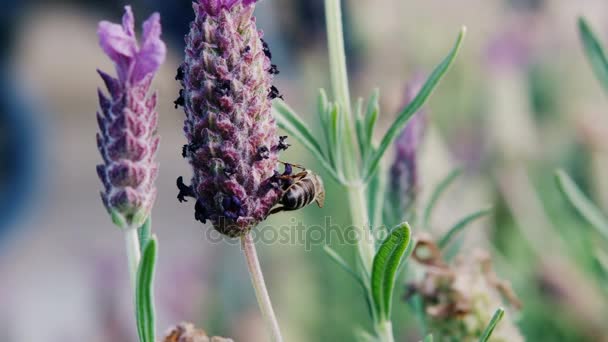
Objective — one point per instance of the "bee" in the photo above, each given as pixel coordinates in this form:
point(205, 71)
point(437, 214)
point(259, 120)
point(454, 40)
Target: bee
point(302, 189)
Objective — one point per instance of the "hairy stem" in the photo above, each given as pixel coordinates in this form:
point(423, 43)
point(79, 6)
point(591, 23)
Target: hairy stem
point(339, 83)
point(261, 293)
point(133, 254)
point(360, 220)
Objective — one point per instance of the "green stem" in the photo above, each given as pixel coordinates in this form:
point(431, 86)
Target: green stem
point(360, 218)
point(339, 83)
point(261, 293)
point(384, 329)
point(133, 254)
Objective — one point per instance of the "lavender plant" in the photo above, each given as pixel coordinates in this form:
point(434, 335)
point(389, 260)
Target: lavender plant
point(352, 158)
point(128, 142)
point(233, 143)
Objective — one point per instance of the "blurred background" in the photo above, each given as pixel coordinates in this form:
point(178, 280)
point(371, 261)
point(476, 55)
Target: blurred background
point(520, 101)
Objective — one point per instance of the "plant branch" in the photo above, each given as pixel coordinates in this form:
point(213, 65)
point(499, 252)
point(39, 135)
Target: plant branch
point(133, 254)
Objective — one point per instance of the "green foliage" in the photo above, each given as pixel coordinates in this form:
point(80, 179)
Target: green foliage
point(386, 263)
point(461, 225)
point(437, 193)
point(487, 333)
point(595, 52)
point(583, 205)
point(144, 297)
point(412, 108)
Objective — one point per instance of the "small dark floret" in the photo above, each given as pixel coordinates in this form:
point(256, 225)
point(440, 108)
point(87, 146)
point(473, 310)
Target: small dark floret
point(180, 73)
point(274, 93)
point(266, 49)
point(263, 153)
point(184, 190)
point(282, 146)
point(274, 70)
point(181, 101)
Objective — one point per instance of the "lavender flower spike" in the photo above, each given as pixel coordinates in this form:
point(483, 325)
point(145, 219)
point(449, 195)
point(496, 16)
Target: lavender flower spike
point(404, 170)
point(232, 137)
point(128, 119)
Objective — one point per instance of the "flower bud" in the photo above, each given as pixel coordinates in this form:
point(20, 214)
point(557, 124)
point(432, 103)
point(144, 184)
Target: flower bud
point(127, 119)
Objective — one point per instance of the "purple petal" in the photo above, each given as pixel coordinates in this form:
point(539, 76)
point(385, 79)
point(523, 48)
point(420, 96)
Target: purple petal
point(115, 42)
point(153, 50)
point(128, 22)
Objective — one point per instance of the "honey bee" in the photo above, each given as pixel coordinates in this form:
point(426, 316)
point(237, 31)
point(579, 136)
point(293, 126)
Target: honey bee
point(303, 188)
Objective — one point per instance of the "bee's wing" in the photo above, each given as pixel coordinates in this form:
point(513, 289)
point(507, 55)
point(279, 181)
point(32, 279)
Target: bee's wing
point(320, 198)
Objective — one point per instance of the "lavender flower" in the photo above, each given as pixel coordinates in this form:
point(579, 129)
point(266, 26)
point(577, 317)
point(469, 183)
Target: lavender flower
point(232, 137)
point(404, 170)
point(128, 119)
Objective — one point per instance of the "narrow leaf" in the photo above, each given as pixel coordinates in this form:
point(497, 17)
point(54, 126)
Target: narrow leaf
point(359, 122)
point(145, 293)
point(371, 117)
point(336, 130)
point(413, 107)
point(343, 264)
point(581, 203)
point(461, 225)
point(594, 51)
point(288, 120)
point(375, 198)
point(487, 333)
point(385, 266)
point(323, 113)
point(145, 232)
point(439, 190)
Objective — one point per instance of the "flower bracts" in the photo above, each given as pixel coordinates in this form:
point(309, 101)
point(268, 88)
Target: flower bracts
point(232, 137)
point(128, 119)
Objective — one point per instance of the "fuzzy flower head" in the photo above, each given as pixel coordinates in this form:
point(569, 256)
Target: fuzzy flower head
point(404, 170)
point(232, 137)
point(128, 119)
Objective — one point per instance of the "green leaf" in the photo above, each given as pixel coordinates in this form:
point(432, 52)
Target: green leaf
point(359, 118)
point(385, 266)
point(461, 225)
point(144, 299)
point(371, 115)
point(323, 113)
point(413, 107)
point(145, 232)
point(487, 333)
point(288, 120)
point(375, 198)
point(594, 51)
point(437, 192)
point(343, 264)
point(336, 130)
point(428, 338)
point(581, 203)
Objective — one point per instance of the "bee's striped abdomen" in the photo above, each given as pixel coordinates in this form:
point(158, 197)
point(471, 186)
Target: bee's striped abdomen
point(299, 195)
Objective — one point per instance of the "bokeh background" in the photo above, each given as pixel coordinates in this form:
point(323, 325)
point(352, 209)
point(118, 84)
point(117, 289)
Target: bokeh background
point(519, 102)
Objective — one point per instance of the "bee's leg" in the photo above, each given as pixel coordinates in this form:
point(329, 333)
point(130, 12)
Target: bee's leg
point(276, 210)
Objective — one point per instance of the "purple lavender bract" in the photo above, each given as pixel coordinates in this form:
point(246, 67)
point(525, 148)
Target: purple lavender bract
point(232, 137)
point(128, 119)
point(404, 170)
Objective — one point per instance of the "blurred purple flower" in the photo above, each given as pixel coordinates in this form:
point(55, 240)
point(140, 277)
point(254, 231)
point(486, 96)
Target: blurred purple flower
point(128, 119)
point(232, 137)
point(404, 170)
